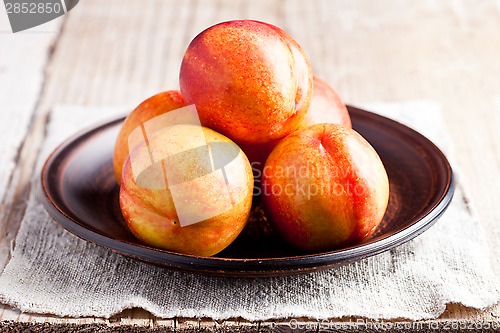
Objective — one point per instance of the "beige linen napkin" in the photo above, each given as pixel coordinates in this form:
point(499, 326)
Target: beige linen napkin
point(52, 271)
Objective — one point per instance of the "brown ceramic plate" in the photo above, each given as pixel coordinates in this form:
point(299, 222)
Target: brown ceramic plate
point(81, 194)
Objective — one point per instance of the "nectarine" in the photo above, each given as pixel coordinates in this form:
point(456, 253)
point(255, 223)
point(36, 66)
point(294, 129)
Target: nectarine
point(326, 107)
point(149, 109)
point(186, 189)
point(249, 80)
point(324, 187)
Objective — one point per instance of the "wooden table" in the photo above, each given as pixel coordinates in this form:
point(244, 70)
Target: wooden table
point(119, 52)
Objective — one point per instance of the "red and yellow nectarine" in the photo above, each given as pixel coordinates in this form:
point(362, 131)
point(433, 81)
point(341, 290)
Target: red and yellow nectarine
point(326, 107)
point(190, 201)
point(324, 187)
point(148, 109)
point(249, 80)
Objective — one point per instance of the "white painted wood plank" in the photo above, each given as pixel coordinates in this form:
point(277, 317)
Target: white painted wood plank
point(22, 60)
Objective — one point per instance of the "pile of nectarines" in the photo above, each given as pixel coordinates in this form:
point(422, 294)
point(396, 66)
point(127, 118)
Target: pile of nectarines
point(187, 185)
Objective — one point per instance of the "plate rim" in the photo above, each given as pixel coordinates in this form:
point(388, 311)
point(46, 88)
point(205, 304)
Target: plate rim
point(252, 266)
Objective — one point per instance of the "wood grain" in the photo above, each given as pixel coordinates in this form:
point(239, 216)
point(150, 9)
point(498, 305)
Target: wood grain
point(22, 63)
point(124, 51)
